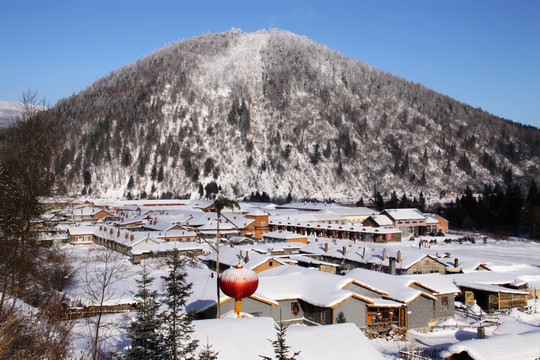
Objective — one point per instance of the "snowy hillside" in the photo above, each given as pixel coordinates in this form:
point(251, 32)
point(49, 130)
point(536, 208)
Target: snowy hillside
point(8, 112)
point(275, 112)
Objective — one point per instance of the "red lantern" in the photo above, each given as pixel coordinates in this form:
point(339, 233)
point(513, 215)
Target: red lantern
point(238, 283)
point(378, 315)
point(390, 313)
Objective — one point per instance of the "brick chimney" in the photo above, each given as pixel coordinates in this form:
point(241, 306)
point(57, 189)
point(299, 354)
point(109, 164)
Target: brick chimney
point(325, 247)
point(384, 255)
point(456, 262)
point(363, 253)
point(246, 259)
point(399, 256)
point(344, 250)
point(392, 261)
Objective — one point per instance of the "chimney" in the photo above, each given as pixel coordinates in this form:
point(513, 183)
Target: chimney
point(456, 262)
point(364, 253)
point(240, 253)
point(344, 250)
point(325, 247)
point(399, 256)
point(246, 259)
point(384, 255)
point(392, 265)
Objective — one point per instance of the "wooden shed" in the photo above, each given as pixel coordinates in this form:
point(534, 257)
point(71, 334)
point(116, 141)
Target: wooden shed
point(493, 297)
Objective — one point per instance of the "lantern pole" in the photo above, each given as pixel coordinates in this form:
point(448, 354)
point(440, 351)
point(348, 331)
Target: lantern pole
point(217, 266)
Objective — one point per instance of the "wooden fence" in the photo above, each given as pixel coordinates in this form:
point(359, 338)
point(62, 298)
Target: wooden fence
point(80, 313)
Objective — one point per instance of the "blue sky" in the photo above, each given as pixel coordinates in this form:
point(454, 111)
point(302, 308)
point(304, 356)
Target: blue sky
point(485, 53)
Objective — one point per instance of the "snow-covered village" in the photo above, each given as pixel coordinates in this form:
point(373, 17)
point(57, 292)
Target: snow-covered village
point(276, 180)
point(331, 281)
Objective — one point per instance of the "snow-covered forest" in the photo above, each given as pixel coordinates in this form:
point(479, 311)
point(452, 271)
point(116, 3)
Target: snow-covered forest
point(276, 112)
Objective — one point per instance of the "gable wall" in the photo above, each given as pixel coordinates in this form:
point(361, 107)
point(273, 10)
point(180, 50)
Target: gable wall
point(419, 312)
point(354, 310)
point(427, 265)
point(360, 290)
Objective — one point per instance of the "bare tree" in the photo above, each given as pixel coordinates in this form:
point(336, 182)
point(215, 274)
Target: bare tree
point(26, 174)
point(103, 269)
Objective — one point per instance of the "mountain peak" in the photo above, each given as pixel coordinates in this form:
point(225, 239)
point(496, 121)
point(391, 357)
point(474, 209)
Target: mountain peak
point(276, 112)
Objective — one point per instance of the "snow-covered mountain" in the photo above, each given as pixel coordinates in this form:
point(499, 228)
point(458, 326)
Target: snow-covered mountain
point(275, 112)
point(8, 112)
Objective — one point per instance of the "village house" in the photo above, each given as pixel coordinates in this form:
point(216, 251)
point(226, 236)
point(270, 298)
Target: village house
point(259, 226)
point(247, 256)
point(284, 236)
point(412, 222)
point(294, 294)
point(491, 291)
point(350, 255)
point(428, 298)
point(90, 214)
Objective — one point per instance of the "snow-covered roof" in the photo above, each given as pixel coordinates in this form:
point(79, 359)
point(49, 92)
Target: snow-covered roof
point(249, 338)
point(440, 284)
point(382, 220)
point(166, 246)
point(502, 347)
point(232, 256)
point(355, 251)
point(313, 286)
point(397, 287)
point(281, 234)
point(405, 214)
point(491, 288)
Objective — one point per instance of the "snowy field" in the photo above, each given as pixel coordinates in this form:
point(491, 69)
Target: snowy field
point(519, 259)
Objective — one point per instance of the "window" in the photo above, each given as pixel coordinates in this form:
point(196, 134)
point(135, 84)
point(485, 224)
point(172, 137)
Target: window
point(444, 303)
point(87, 238)
point(271, 263)
point(295, 308)
point(263, 223)
point(79, 239)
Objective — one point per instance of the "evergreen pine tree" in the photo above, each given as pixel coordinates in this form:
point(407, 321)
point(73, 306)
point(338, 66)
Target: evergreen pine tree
point(448, 169)
point(316, 156)
point(176, 322)
point(422, 202)
point(340, 319)
point(289, 198)
point(281, 350)
point(160, 175)
point(379, 201)
point(143, 331)
point(328, 150)
point(394, 201)
point(532, 210)
point(404, 202)
point(207, 353)
point(130, 183)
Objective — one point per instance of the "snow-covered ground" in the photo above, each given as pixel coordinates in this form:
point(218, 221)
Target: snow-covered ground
point(516, 259)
